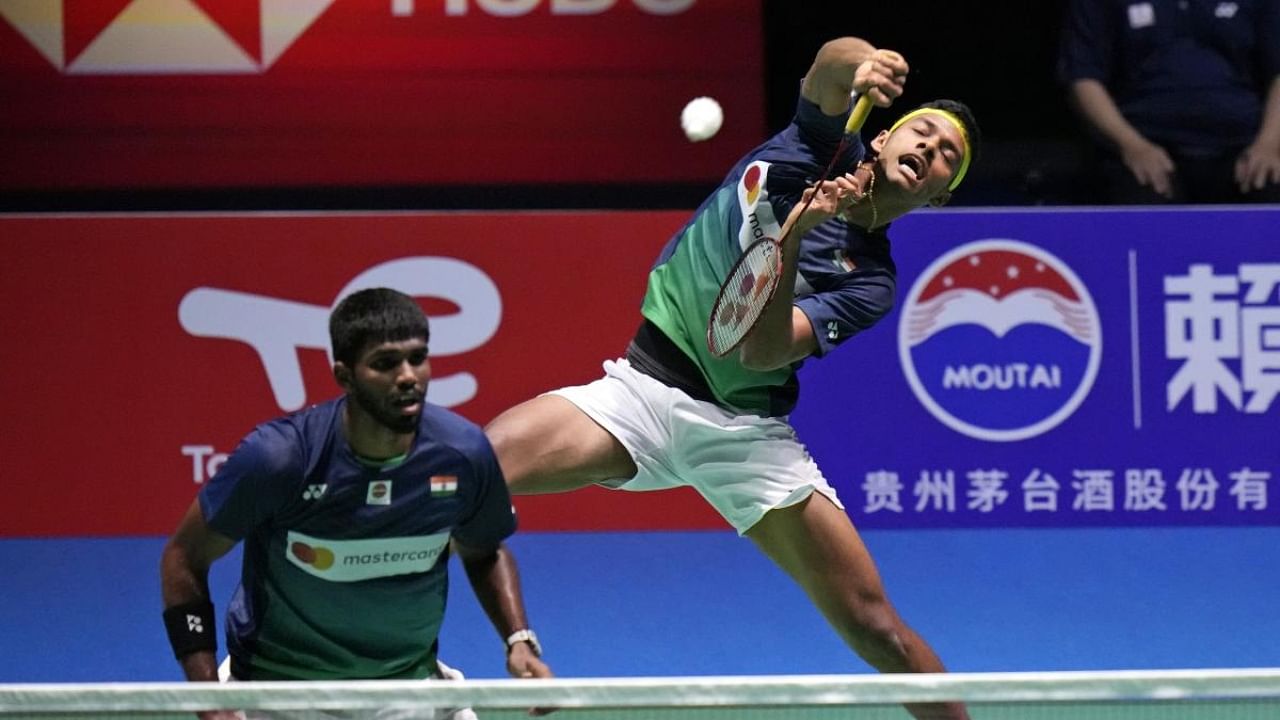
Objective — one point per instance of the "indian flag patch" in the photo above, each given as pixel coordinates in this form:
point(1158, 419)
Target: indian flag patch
point(444, 485)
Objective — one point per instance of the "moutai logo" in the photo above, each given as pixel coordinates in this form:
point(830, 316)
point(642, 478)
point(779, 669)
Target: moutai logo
point(1000, 340)
point(161, 37)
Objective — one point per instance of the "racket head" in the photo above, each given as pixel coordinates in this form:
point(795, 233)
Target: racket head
point(746, 291)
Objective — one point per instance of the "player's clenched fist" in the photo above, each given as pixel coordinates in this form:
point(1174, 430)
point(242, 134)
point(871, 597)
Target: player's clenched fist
point(881, 76)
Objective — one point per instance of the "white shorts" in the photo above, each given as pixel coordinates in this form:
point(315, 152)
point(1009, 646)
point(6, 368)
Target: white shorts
point(744, 465)
point(443, 672)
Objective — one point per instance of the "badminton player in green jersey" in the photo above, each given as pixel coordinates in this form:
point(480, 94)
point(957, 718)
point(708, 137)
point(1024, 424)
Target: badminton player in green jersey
point(349, 511)
point(671, 413)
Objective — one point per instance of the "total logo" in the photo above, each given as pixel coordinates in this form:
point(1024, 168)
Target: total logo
point(277, 328)
point(1000, 340)
point(159, 37)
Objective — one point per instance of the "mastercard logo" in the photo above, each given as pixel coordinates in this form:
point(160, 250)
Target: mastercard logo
point(751, 184)
point(320, 558)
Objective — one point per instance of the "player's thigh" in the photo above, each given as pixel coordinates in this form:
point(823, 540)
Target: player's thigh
point(816, 544)
point(745, 466)
point(548, 444)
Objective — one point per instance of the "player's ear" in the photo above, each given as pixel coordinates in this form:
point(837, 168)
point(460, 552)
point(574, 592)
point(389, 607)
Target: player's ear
point(342, 374)
point(877, 142)
point(940, 199)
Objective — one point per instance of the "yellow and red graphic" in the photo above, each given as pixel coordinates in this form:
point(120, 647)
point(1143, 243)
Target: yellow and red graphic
point(751, 184)
point(321, 558)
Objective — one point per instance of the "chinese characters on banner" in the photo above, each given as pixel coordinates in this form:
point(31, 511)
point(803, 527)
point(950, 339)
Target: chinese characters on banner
point(1045, 368)
point(1001, 320)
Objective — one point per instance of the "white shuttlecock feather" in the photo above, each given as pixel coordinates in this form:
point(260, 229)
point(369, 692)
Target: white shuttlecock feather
point(701, 118)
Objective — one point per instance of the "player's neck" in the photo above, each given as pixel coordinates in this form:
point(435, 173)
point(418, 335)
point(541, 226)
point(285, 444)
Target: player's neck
point(370, 439)
point(866, 212)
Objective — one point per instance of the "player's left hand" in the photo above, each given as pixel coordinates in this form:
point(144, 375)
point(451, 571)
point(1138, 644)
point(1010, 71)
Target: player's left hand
point(881, 76)
point(1257, 167)
point(522, 662)
point(830, 197)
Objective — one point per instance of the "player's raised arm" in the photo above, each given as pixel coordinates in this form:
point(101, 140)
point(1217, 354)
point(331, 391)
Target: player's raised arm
point(784, 334)
point(848, 64)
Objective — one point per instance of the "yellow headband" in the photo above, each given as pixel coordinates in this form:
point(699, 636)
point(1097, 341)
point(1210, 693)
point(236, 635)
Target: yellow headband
point(964, 135)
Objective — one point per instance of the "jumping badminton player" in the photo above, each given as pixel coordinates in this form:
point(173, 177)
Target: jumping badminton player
point(348, 511)
point(671, 413)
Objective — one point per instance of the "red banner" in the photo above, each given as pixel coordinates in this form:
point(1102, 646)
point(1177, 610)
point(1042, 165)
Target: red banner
point(139, 350)
point(127, 94)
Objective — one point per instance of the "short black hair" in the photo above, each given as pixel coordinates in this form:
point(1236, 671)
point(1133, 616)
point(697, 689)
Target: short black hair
point(962, 111)
point(376, 315)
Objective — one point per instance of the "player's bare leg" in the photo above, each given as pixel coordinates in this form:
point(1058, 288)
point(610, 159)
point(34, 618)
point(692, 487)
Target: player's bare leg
point(817, 545)
point(548, 445)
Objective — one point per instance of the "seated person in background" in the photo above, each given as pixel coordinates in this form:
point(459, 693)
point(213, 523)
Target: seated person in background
point(1183, 96)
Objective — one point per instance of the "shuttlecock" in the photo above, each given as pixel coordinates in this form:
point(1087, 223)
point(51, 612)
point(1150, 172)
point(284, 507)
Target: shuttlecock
point(701, 118)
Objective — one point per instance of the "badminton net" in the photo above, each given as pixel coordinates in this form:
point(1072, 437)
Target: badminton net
point(1240, 694)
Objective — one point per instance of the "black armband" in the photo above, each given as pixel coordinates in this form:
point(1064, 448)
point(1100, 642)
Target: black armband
point(191, 628)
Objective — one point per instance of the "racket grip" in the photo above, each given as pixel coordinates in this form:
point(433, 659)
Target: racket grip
point(861, 110)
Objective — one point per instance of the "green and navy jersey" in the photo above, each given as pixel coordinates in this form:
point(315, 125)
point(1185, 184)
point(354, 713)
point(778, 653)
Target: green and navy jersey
point(845, 276)
point(346, 561)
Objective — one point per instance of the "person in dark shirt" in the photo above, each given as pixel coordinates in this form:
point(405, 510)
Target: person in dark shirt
point(348, 511)
point(1181, 96)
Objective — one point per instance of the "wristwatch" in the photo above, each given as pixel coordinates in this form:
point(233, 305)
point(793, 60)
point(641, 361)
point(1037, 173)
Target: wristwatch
point(527, 636)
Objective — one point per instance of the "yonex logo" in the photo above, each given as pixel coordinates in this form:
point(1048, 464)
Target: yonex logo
point(314, 492)
point(195, 624)
point(1000, 340)
point(161, 37)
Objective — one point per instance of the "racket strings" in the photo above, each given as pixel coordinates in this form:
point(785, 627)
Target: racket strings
point(754, 277)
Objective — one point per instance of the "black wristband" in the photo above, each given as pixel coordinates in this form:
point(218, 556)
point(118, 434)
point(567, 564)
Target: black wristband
point(191, 628)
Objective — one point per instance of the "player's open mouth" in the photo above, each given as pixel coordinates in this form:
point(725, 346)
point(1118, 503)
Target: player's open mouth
point(913, 167)
point(408, 404)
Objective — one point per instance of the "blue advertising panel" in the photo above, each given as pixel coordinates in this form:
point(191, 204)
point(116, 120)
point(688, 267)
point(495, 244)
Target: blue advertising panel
point(1062, 368)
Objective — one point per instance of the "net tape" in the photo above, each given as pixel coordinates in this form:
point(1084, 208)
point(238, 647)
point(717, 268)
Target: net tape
point(801, 690)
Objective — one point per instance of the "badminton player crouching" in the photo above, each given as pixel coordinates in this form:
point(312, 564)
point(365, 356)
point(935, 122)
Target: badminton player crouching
point(348, 511)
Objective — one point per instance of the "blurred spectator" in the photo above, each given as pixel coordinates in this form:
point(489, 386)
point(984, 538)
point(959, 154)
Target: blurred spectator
point(1183, 97)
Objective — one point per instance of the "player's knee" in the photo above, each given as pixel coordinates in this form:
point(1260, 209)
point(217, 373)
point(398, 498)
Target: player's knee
point(877, 634)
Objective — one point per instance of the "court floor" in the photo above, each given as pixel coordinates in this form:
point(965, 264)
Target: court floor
point(707, 603)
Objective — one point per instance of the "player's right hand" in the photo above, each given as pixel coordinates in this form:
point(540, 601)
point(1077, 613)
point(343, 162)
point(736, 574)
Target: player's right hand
point(1151, 166)
point(881, 77)
point(522, 662)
